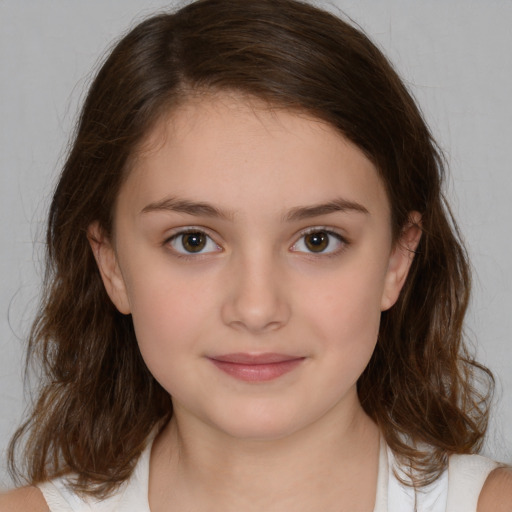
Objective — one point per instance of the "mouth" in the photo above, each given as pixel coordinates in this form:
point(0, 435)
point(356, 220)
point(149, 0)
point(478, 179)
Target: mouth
point(256, 367)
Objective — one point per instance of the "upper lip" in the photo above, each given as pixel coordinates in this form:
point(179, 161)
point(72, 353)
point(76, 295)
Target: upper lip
point(245, 358)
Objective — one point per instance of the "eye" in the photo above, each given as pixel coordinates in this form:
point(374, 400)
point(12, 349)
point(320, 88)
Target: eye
point(319, 241)
point(193, 242)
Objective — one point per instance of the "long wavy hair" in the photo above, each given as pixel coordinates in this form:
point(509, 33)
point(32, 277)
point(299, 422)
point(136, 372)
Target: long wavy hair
point(98, 402)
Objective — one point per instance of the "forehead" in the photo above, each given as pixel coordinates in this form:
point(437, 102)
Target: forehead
point(244, 154)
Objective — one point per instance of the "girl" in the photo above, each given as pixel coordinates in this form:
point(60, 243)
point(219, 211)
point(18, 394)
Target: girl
point(255, 292)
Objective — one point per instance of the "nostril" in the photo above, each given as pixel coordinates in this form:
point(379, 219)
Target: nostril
point(256, 312)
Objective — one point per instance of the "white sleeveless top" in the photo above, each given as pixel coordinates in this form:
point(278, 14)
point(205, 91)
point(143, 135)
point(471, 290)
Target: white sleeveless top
point(456, 490)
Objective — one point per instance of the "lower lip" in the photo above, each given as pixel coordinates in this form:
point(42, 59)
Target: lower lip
point(257, 372)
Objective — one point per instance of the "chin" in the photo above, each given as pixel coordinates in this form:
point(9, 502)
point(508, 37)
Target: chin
point(261, 424)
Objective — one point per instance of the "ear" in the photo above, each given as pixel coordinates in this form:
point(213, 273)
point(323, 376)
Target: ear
point(106, 259)
point(400, 260)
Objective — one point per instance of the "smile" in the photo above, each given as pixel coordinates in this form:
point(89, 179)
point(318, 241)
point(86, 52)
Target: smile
point(256, 368)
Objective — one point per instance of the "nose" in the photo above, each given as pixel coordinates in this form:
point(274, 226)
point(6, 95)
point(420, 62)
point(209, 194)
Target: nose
point(256, 296)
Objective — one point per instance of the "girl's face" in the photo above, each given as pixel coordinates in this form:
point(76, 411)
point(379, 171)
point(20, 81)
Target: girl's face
point(253, 249)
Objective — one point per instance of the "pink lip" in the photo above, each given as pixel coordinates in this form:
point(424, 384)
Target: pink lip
point(256, 367)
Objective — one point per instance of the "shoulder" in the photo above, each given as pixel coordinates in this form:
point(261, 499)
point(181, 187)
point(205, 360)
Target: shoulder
point(496, 495)
point(24, 499)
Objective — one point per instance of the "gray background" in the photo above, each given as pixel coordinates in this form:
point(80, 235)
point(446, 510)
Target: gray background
point(455, 56)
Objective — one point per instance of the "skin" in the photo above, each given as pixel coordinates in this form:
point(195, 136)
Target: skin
point(256, 288)
point(496, 496)
point(300, 442)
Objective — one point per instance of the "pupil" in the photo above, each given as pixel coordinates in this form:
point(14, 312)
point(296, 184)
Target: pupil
point(317, 242)
point(194, 242)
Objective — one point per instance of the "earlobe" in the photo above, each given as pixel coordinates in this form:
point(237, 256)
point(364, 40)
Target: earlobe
point(108, 266)
point(400, 260)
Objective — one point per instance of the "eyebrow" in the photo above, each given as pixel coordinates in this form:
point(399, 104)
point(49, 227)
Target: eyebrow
point(198, 209)
point(202, 209)
point(336, 205)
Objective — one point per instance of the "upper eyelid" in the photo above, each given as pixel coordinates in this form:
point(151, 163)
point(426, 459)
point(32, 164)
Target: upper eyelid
point(174, 232)
point(327, 229)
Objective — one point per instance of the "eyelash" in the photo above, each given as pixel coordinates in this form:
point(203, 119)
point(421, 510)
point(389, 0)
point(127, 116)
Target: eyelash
point(331, 234)
point(201, 231)
point(191, 231)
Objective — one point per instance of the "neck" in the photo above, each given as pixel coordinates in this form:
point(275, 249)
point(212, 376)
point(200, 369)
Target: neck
point(331, 465)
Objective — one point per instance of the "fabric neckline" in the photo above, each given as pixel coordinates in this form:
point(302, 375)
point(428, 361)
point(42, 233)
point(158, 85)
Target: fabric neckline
point(137, 489)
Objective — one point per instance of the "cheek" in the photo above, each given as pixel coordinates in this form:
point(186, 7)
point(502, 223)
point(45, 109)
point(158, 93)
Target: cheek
point(168, 316)
point(345, 313)
point(160, 325)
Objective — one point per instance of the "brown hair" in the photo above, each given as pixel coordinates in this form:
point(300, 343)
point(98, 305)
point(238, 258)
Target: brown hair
point(98, 401)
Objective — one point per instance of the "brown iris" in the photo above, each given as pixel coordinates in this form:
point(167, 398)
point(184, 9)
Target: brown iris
point(317, 241)
point(193, 242)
